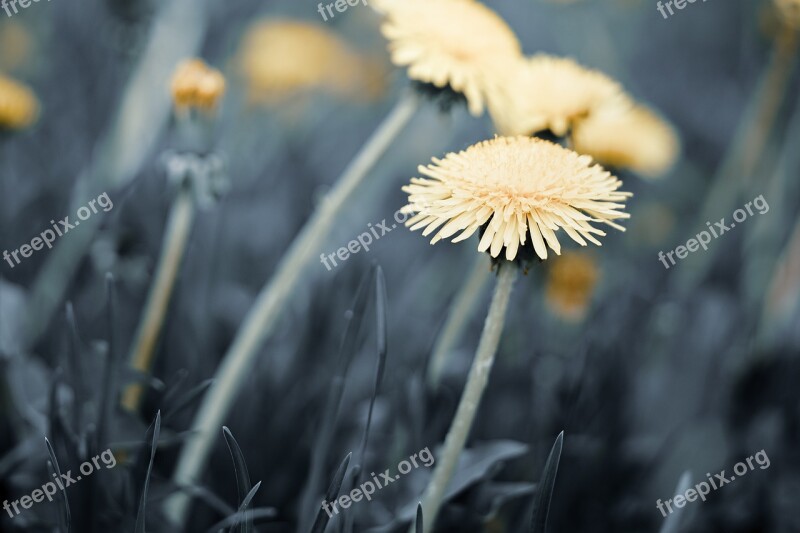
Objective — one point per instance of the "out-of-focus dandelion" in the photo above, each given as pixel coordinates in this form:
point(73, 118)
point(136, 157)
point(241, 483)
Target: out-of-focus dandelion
point(570, 285)
point(549, 93)
point(508, 188)
point(19, 107)
point(628, 136)
point(16, 45)
point(281, 58)
point(789, 11)
point(455, 44)
point(195, 85)
point(513, 187)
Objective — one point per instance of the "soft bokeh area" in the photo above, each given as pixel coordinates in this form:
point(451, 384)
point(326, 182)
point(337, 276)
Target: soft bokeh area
point(665, 355)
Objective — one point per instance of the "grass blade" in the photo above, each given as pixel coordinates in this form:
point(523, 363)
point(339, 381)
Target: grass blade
point(420, 523)
point(140, 515)
point(242, 476)
point(542, 506)
point(243, 517)
point(64, 517)
point(333, 493)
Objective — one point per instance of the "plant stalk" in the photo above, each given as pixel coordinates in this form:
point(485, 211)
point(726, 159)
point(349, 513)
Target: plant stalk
point(471, 397)
point(272, 299)
point(179, 227)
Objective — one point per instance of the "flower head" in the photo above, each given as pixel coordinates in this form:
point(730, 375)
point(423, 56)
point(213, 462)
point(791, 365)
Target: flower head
point(19, 107)
point(512, 187)
point(546, 92)
point(571, 282)
point(280, 58)
point(449, 43)
point(630, 136)
point(789, 11)
point(196, 85)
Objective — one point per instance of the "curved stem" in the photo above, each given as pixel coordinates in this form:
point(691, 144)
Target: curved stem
point(471, 397)
point(271, 300)
point(460, 312)
point(179, 227)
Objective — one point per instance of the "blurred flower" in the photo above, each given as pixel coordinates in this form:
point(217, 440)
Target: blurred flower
point(547, 92)
point(571, 281)
point(196, 85)
point(279, 58)
point(509, 187)
point(19, 107)
point(455, 43)
point(16, 45)
point(628, 136)
point(789, 11)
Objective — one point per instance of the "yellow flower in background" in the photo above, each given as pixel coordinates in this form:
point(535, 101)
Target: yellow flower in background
point(512, 187)
point(455, 43)
point(196, 85)
point(571, 281)
point(19, 107)
point(280, 57)
point(549, 93)
point(628, 136)
point(789, 11)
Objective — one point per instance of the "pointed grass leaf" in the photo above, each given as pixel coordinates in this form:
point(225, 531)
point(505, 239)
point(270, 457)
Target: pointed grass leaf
point(64, 517)
point(542, 503)
point(141, 514)
point(242, 476)
point(333, 493)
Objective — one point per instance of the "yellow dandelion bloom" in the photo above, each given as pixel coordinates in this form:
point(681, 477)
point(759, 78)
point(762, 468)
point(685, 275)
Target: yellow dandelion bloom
point(455, 43)
point(546, 92)
point(630, 136)
point(196, 85)
point(279, 58)
point(571, 281)
point(789, 11)
point(510, 187)
point(19, 107)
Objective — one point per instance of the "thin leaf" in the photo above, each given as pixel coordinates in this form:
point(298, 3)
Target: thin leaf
point(333, 493)
point(242, 476)
point(542, 506)
point(64, 517)
point(186, 399)
point(243, 517)
point(140, 515)
point(420, 528)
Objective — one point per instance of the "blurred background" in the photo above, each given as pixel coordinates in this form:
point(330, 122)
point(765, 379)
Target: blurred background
point(650, 372)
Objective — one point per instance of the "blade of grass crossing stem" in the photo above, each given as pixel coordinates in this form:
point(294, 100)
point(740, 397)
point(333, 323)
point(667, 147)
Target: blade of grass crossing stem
point(242, 476)
point(354, 320)
point(542, 506)
point(140, 515)
point(64, 517)
point(333, 493)
point(243, 517)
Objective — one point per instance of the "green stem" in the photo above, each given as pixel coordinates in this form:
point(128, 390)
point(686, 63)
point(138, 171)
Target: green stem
point(471, 397)
point(270, 302)
point(179, 227)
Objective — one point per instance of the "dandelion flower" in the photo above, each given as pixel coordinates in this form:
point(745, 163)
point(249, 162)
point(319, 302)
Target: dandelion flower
point(546, 92)
point(512, 187)
point(196, 85)
point(630, 136)
point(570, 285)
point(19, 107)
point(280, 57)
point(789, 11)
point(449, 43)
